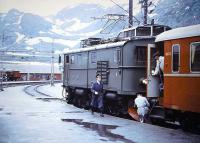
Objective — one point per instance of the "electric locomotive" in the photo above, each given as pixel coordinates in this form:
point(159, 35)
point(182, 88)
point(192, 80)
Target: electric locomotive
point(121, 62)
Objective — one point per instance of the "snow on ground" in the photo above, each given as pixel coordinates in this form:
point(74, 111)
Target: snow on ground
point(29, 48)
point(70, 43)
point(56, 29)
point(90, 34)
point(18, 54)
point(24, 118)
point(37, 40)
point(19, 37)
point(19, 20)
point(30, 67)
point(54, 91)
point(78, 25)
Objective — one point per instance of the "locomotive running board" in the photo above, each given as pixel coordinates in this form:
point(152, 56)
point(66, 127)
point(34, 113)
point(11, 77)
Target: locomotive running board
point(133, 113)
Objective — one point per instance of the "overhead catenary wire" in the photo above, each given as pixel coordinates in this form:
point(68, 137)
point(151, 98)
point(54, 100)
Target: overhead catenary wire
point(125, 11)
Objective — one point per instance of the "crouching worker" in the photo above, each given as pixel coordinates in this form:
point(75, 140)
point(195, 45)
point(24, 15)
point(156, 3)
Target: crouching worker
point(97, 95)
point(142, 107)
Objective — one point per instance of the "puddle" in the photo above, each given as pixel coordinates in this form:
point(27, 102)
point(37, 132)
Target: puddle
point(102, 130)
point(44, 99)
point(75, 112)
point(103, 140)
point(8, 113)
point(31, 114)
point(48, 99)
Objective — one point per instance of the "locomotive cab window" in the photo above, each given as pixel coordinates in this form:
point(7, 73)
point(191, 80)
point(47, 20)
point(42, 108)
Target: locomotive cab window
point(117, 56)
point(143, 31)
point(67, 59)
point(195, 57)
point(72, 59)
point(157, 30)
point(79, 59)
point(175, 57)
point(93, 57)
point(141, 54)
point(121, 35)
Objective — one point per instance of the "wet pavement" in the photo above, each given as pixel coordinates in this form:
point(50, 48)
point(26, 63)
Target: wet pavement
point(25, 118)
point(102, 130)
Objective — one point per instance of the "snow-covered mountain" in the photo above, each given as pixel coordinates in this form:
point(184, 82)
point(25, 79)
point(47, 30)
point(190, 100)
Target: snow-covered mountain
point(35, 36)
point(177, 13)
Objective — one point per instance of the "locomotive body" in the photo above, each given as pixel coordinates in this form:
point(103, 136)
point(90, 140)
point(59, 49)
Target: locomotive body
point(121, 64)
point(126, 61)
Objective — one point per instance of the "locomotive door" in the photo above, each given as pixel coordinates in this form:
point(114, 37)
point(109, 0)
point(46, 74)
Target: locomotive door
point(153, 81)
point(66, 70)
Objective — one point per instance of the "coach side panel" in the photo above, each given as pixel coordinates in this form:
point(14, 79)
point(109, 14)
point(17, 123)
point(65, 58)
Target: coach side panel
point(181, 81)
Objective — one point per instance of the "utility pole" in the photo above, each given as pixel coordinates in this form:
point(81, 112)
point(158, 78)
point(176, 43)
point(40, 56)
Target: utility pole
point(113, 19)
point(145, 11)
point(144, 4)
point(130, 13)
point(1, 69)
point(52, 64)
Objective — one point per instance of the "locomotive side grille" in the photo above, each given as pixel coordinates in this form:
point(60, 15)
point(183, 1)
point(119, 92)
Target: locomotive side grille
point(102, 69)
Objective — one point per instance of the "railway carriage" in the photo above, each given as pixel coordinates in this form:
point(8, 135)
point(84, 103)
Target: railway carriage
point(181, 96)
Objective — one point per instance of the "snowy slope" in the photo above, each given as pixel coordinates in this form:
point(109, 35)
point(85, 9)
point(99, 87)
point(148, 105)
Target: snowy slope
point(65, 29)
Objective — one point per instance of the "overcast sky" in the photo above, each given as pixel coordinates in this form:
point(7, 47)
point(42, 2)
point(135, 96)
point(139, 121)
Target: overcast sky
point(50, 7)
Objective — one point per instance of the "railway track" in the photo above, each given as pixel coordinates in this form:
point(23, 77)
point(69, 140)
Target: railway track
point(19, 83)
point(33, 91)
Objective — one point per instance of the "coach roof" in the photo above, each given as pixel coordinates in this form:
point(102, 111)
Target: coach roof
point(178, 33)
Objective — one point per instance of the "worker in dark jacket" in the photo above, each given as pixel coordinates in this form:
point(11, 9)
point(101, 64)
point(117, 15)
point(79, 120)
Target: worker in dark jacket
point(97, 95)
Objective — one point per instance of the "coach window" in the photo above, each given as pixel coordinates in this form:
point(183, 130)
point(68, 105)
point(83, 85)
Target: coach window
point(72, 59)
point(195, 57)
point(175, 57)
point(93, 57)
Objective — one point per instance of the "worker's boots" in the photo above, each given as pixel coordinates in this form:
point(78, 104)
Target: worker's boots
point(92, 111)
point(101, 114)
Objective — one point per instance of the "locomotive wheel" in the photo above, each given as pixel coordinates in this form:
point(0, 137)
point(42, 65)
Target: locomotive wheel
point(185, 124)
point(65, 94)
point(68, 96)
point(86, 102)
point(190, 122)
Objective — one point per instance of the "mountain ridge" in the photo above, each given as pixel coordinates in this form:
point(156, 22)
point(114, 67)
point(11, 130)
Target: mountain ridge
point(65, 29)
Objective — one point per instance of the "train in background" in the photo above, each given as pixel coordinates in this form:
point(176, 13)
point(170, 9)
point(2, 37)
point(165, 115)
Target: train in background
point(12, 76)
point(29, 71)
point(125, 62)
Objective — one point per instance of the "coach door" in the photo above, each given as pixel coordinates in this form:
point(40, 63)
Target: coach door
point(153, 81)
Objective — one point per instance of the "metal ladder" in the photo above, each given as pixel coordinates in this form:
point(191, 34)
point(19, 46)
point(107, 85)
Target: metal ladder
point(102, 69)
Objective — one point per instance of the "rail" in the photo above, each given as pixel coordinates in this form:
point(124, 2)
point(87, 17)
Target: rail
point(10, 83)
